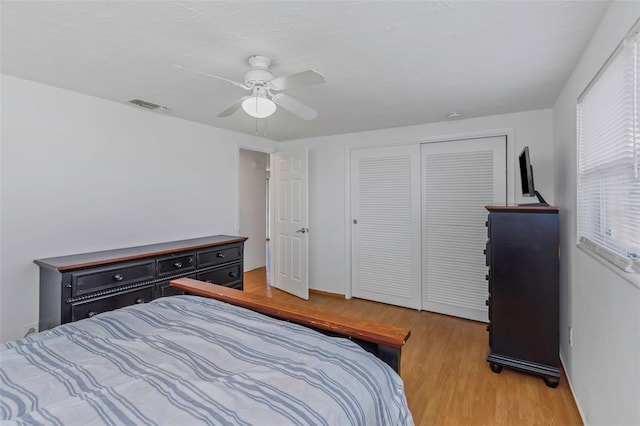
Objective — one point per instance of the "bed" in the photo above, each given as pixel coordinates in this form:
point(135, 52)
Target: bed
point(189, 359)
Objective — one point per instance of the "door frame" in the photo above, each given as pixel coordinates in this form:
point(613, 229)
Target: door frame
point(509, 132)
point(265, 150)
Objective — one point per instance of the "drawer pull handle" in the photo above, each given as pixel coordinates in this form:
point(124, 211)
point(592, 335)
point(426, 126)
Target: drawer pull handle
point(118, 277)
point(139, 300)
point(92, 314)
point(233, 274)
point(220, 255)
point(177, 264)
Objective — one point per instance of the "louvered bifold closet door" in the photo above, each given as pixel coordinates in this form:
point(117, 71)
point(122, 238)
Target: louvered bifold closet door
point(385, 229)
point(459, 178)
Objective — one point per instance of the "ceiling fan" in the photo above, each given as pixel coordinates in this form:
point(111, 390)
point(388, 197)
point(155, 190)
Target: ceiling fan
point(264, 88)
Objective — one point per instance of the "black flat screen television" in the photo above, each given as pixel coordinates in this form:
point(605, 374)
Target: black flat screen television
point(526, 178)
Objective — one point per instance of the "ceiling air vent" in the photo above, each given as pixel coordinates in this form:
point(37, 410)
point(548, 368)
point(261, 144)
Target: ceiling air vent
point(148, 105)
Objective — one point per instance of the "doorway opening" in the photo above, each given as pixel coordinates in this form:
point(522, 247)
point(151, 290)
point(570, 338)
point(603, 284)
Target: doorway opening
point(254, 207)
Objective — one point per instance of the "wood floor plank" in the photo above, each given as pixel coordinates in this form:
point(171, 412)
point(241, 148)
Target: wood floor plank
point(447, 379)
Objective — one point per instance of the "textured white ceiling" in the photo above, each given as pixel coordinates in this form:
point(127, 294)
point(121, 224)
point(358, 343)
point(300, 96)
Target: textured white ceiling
point(386, 63)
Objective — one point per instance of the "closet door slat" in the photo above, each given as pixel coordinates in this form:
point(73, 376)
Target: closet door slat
point(459, 178)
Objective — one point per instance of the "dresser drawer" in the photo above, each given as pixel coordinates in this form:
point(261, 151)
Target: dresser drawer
point(236, 285)
point(100, 279)
point(167, 290)
point(219, 255)
point(109, 303)
point(222, 276)
point(487, 253)
point(176, 264)
point(164, 289)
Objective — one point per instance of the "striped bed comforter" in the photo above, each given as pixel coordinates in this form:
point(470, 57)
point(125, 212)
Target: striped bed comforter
point(187, 360)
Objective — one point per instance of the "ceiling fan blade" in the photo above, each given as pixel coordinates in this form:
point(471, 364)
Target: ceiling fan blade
point(233, 107)
point(294, 106)
point(304, 78)
point(235, 83)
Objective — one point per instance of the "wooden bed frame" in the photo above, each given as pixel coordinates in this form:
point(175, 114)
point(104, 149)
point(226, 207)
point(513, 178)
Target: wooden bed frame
point(383, 340)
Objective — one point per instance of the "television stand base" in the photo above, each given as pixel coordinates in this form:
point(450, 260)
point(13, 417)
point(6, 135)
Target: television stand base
point(534, 204)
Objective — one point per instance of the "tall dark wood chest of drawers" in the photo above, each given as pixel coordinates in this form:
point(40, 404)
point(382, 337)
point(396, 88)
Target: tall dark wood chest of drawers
point(523, 258)
point(83, 285)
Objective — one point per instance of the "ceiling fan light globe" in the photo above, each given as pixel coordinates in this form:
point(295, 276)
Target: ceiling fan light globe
point(258, 107)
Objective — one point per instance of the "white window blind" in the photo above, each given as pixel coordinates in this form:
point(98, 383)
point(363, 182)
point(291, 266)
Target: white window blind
point(608, 124)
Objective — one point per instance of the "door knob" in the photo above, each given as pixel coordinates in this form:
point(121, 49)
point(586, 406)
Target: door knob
point(303, 230)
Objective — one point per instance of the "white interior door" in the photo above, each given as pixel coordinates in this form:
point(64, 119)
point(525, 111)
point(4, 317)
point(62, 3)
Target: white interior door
point(290, 212)
point(459, 178)
point(385, 230)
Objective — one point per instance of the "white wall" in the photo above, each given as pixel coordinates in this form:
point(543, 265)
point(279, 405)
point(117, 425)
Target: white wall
point(82, 174)
point(253, 212)
point(604, 309)
point(329, 268)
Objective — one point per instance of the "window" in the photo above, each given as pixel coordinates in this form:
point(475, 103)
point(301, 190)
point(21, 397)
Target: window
point(608, 126)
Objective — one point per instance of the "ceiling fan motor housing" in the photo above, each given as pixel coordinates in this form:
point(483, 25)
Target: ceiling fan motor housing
point(259, 73)
point(257, 77)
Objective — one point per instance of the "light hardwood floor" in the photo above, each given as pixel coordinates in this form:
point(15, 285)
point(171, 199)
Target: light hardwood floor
point(447, 380)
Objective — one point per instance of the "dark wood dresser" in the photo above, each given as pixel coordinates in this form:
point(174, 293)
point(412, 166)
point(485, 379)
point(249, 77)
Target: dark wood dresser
point(83, 285)
point(523, 258)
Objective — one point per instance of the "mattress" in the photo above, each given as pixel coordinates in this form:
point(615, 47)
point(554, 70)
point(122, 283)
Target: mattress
point(186, 360)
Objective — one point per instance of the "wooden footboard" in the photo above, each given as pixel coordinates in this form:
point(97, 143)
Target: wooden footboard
point(383, 340)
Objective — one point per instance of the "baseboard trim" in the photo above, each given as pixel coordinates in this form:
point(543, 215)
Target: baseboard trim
point(326, 293)
point(575, 399)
